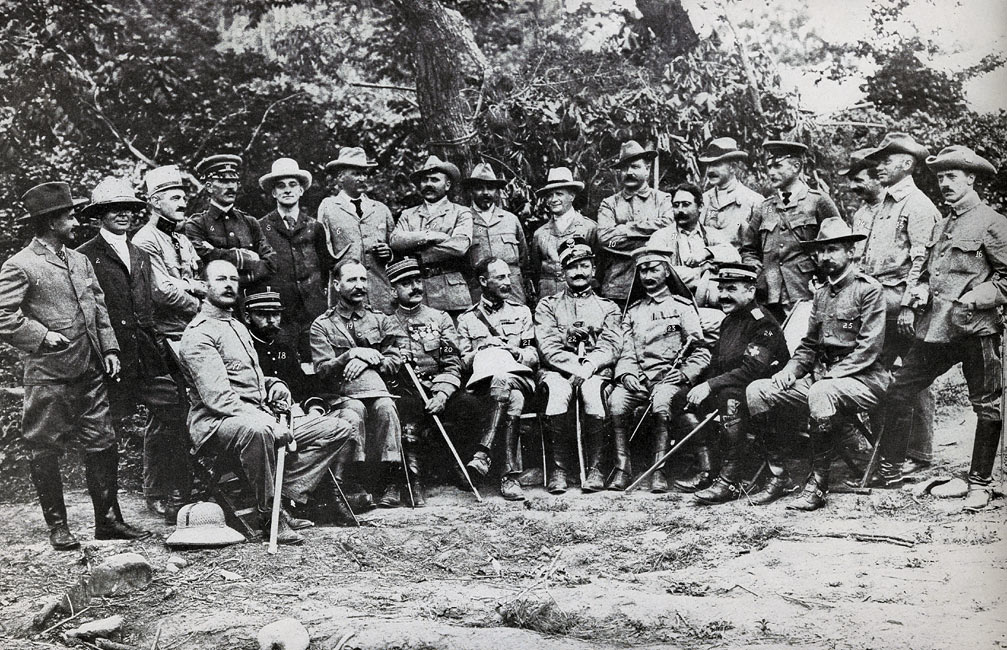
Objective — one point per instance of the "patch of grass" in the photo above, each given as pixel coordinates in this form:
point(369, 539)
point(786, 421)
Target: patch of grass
point(539, 616)
point(755, 537)
point(670, 558)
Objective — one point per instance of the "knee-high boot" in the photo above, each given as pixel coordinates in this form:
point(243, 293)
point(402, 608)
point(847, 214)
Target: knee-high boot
point(771, 450)
point(556, 431)
point(703, 477)
point(984, 452)
point(45, 475)
point(594, 446)
point(621, 472)
point(510, 488)
point(727, 485)
point(662, 442)
point(101, 470)
point(481, 462)
point(823, 444)
point(410, 448)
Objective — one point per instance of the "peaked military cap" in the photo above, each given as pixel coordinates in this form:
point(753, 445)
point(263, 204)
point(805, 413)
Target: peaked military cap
point(159, 179)
point(222, 165)
point(736, 272)
point(402, 270)
point(647, 254)
point(267, 300)
point(573, 249)
point(784, 148)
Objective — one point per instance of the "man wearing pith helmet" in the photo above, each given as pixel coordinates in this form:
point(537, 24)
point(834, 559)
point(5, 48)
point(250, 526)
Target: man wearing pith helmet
point(782, 224)
point(223, 231)
point(728, 204)
point(628, 218)
point(358, 226)
point(955, 318)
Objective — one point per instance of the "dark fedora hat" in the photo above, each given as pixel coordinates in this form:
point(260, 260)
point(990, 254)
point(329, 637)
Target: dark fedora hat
point(46, 199)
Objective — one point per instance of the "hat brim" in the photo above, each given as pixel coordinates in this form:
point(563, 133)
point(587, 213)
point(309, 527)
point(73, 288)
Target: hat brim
point(335, 165)
point(263, 308)
point(645, 155)
point(204, 537)
point(845, 239)
point(405, 275)
point(855, 168)
point(94, 208)
point(730, 155)
point(451, 172)
point(303, 176)
point(497, 183)
point(577, 258)
point(874, 154)
point(75, 205)
point(572, 185)
point(981, 166)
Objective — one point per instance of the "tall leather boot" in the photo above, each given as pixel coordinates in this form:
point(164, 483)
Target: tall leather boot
point(727, 486)
point(480, 463)
point(390, 495)
point(658, 480)
point(816, 487)
point(45, 475)
point(101, 470)
point(510, 488)
point(410, 447)
point(984, 452)
point(771, 450)
point(560, 462)
point(594, 443)
point(703, 477)
point(621, 472)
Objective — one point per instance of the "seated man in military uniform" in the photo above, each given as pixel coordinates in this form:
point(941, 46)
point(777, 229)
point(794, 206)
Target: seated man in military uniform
point(497, 342)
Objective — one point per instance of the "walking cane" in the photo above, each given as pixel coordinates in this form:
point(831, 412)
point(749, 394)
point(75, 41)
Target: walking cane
point(440, 427)
point(666, 456)
point(281, 457)
point(342, 497)
point(576, 414)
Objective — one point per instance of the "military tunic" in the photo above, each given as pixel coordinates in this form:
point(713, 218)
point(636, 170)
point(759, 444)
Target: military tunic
point(694, 255)
point(626, 220)
point(353, 237)
point(431, 345)
point(751, 345)
point(728, 211)
point(600, 317)
point(237, 238)
point(545, 264)
point(175, 266)
point(443, 265)
point(773, 242)
point(498, 233)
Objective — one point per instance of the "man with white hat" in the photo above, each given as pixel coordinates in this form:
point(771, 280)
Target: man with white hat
point(357, 226)
point(497, 343)
point(728, 204)
point(223, 231)
point(781, 225)
point(173, 259)
point(495, 231)
point(303, 261)
point(955, 319)
point(578, 341)
point(663, 353)
point(439, 233)
point(52, 309)
point(564, 222)
point(628, 218)
point(124, 274)
point(835, 372)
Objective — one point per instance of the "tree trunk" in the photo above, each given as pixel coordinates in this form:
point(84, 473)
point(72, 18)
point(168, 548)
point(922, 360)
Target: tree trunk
point(670, 23)
point(449, 65)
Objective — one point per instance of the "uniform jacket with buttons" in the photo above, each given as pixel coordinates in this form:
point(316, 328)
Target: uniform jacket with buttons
point(279, 359)
point(40, 293)
point(343, 327)
point(846, 333)
point(351, 237)
point(966, 262)
point(654, 330)
point(728, 212)
point(775, 248)
point(231, 235)
point(751, 346)
point(442, 290)
point(626, 220)
point(512, 323)
point(174, 265)
point(431, 344)
point(129, 301)
point(598, 315)
point(222, 372)
point(302, 265)
point(545, 265)
point(498, 233)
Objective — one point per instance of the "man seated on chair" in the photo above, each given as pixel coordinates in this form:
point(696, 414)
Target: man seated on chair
point(751, 345)
point(836, 370)
point(578, 339)
point(497, 338)
point(233, 406)
point(663, 353)
point(278, 358)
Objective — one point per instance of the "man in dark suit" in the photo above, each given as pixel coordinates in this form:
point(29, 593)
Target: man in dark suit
point(125, 276)
point(53, 310)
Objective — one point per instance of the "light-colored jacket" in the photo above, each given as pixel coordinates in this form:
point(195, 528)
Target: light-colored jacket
point(176, 278)
point(625, 222)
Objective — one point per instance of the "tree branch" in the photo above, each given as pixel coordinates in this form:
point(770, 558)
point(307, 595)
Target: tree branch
point(404, 89)
point(265, 114)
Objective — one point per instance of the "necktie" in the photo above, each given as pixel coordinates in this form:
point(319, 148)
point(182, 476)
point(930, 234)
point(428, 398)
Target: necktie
point(360, 210)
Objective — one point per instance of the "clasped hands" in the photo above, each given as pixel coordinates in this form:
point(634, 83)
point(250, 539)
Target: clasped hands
point(360, 360)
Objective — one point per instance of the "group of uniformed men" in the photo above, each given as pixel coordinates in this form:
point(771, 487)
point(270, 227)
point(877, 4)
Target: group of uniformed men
point(669, 304)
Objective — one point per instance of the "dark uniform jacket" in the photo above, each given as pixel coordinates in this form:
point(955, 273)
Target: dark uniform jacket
point(846, 332)
point(128, 298)
point(751, 346)
point(278, 358)
point(302, 265)
point(773, 242)
point(432, 346)
point(218, 235)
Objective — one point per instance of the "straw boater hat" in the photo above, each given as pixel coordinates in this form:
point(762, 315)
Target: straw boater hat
point(112, 192)
point(159, 179)
point(222, 166)
point(560, 177)
point(897, 142)
point(490, 362)
point(736, 272)
point(202, 524)
point(285, 168)
point(350, 157)
point(630, 151)
point(722, 149)
point(482, 174)
point(267, 300)
point(959, 156)
point(435, 164)
point(402, 270)
point(573, 249)
point(858, 162)
point(46, 199)
point(834, 230)
point(784, 148)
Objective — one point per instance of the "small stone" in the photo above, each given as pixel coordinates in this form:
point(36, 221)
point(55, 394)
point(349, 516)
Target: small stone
point(103, 627)
point(178, 561)
point(120, 574)
point(284, 634)
point(171, 568)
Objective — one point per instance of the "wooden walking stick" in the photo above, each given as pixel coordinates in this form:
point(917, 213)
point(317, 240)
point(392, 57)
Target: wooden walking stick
point(281, 457)
point(666, 456)
point(440, 427)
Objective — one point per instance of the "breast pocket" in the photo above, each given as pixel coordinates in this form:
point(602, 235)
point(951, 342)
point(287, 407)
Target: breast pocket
point(507, 248)
point(968, 256)
point(846, 326)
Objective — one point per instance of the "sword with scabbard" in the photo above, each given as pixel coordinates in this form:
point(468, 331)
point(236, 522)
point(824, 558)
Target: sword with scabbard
point(670, 452)
point(576, 411)
point(281, 456)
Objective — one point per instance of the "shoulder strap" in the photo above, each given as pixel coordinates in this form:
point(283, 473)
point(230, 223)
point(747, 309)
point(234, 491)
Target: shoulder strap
point(481, 315)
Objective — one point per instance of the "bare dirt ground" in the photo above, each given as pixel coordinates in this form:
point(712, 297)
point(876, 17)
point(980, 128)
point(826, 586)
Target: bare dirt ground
point(566, 572)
